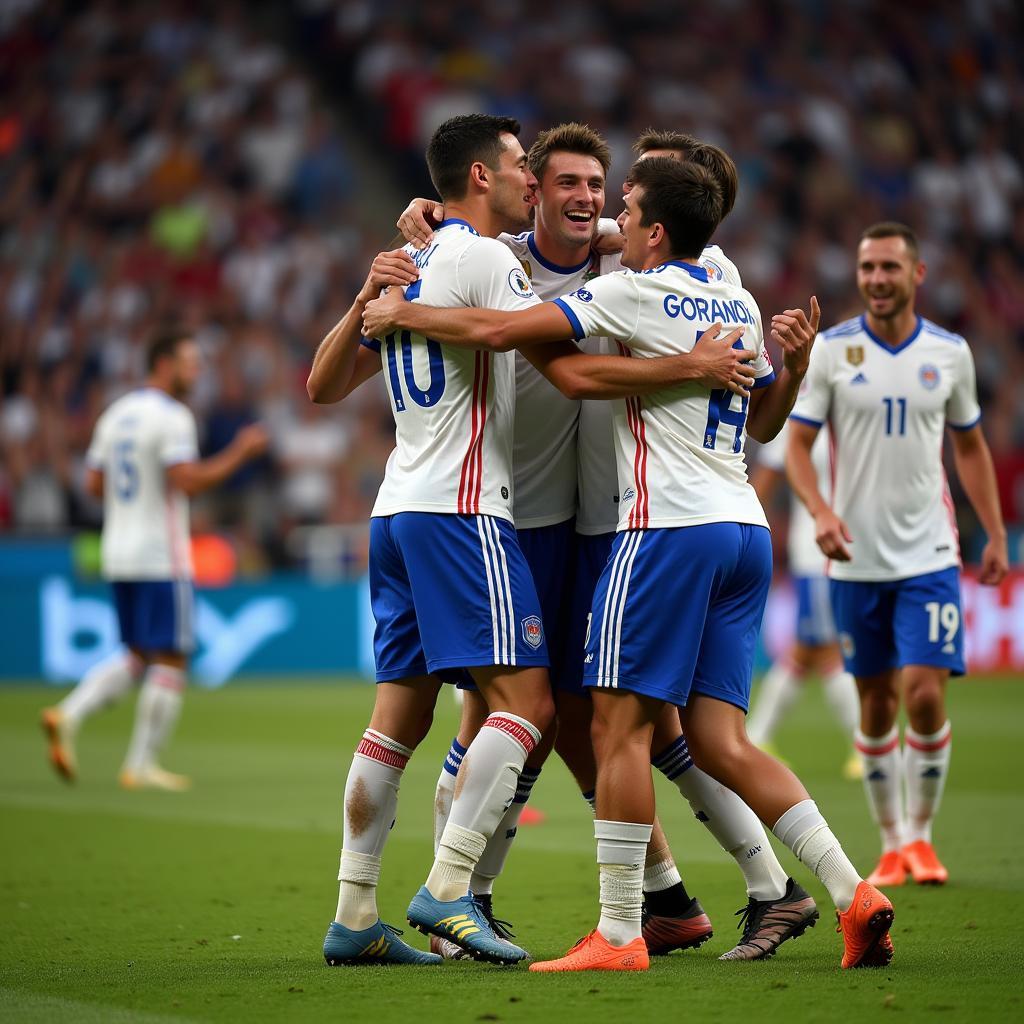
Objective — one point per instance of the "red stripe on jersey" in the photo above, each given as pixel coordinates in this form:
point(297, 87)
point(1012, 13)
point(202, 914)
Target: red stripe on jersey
point(869, 751)
point(378, 752)
point(645, 511)
point(947, 500)
point(468, 460)
point(514, 729)
point(928, 748)
point(484, 384)
point(638, 514)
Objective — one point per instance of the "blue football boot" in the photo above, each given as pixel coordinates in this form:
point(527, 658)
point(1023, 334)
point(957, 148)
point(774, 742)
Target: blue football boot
point(464, 922)
point(378, 944)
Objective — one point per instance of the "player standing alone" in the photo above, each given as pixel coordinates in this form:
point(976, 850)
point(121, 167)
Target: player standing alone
point(887, 383)
point(143, 463)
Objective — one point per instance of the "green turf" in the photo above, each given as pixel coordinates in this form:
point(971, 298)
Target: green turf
point(212, 905)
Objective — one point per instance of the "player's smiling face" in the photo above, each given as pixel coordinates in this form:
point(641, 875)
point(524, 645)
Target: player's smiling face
point(513, 188)
point(571, 198)
point(887, 275)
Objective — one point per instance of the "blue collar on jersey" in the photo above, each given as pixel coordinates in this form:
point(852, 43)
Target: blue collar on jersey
point(554, 267)
point(698, 273)
point(448, 221)
point(891, 349)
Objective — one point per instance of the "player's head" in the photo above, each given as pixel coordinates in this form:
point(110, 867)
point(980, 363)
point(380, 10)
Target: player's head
point(173, 360)
point(479, 155)
point(680, 146)
point(571, 165)
point(889, 269)
point(672, 210)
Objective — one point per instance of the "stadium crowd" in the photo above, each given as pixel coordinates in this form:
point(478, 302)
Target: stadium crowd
point(185, 162)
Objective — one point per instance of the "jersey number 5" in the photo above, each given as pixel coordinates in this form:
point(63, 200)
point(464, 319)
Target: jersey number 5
point(126, 472)
point(435, 387)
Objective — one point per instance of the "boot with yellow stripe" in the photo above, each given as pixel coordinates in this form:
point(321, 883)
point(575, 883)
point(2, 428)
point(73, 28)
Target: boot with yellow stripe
point(378, 944)
point(464, 922)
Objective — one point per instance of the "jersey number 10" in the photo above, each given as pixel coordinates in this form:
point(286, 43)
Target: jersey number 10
point(435, 388)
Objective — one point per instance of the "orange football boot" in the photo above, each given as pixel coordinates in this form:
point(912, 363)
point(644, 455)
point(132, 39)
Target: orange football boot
point(921, 861)
point(596, 953)
point(890, 871)
point(865, 928)
point(61, 746)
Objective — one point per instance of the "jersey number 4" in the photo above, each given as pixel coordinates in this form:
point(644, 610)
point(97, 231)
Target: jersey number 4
point(720, 411)
point(435, 387)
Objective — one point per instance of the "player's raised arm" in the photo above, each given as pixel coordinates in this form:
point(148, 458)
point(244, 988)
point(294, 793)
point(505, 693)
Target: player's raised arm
point(974, 467)
point(418, 220)
point(341, 364)
point(795, 332)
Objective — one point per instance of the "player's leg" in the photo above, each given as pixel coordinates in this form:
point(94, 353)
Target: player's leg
point(929, 634)
point(713, 721)
point(104, 684)
point(843, 699)
point(165, 615)
point(474, 713)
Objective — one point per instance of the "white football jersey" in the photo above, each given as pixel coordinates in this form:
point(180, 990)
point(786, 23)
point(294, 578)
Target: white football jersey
point(453, 407)
point(679, 452)
point(145, 522)
point(598, 483)
point(544, 436)
point(805, 557)
point(887, 408)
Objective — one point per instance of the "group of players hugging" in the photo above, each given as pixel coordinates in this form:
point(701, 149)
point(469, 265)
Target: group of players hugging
point(566, 532)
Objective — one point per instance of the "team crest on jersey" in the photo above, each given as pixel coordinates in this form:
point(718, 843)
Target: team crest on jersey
point(533, 631)
point(929, 376)
point(855, 354)
point(583, 295)
point(520, 283)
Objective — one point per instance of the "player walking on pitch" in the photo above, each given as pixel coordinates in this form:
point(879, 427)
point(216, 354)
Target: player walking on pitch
point(888, 383)
point(699, 554)
point(144, 463)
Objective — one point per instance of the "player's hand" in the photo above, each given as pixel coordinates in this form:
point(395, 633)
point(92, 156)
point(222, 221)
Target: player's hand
point(995, 563)
point(720, 364)
point(418, 221)
point(379, 315)
point(253, 440)
point(795, 331)
point(395, 267)
point(608, 245)
point(832, 536)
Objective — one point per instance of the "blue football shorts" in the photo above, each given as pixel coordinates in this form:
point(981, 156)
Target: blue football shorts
point(815, 626)
point(156, 616)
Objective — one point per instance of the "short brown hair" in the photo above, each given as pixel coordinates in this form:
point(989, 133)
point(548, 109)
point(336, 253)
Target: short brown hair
point(164, 342)
point(571, 137)
point(894, 229)
point(683, 197)
point(459, 143)
point(708, 156)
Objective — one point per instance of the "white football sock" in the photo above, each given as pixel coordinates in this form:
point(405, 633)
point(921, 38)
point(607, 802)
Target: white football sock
point(841, 694)
point(661, 874)
point(736, 827)
point(806, 833)
point(444, 792)
point(486, 788)
point(925, 768)
point(156, 713)
point(621, 849)
point(883, 784)
point(102, 685)
point(492, 861)
point(779, 688)
point(371, 799)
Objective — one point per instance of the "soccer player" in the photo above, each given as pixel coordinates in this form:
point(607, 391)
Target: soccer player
point(449, 586)
point(571, 163)
point(144, 463)
point(888, 383)
point(697, 555)
point(816, 650)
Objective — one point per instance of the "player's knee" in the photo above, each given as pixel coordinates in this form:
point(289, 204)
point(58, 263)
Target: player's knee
point(924, 697)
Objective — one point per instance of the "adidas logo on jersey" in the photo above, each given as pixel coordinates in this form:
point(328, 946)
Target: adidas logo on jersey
point(859, 379)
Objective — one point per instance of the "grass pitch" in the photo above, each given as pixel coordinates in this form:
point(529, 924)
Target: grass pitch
point(212, 905)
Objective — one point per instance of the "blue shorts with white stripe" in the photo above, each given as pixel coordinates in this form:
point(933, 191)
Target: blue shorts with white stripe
point(156, 616)
point(815, 626)
point(450, 592)
point(677, 611)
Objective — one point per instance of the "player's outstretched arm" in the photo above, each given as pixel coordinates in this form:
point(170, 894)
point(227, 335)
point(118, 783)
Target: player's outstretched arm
point(418, 220)
point(795, 332)
point(830, 531)
point(341, 364)
point(973, 462)
point(195, 477)
point(712, 363)
point(494, 329)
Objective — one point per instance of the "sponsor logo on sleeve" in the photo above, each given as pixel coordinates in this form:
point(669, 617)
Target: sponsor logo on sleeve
point(583, 295)
point(520, 283)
